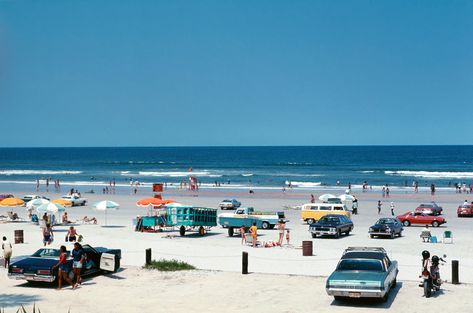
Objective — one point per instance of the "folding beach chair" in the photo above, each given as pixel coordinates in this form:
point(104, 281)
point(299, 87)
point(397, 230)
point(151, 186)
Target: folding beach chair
point(426, 236)
point(447, 235)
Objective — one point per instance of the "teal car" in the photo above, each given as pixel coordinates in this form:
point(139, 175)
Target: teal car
point(363, 272)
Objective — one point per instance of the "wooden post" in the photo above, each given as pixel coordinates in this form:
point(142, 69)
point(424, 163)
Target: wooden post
point(148, 256)
point(455, 276)
point(244, 269)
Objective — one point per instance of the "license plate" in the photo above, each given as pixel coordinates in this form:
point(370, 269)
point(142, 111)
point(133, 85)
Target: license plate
point(354, 294)
point(29, 277)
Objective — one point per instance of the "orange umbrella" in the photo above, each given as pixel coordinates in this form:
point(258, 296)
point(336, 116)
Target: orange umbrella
point(146, 202)
point(62, 202)
point(11, 202)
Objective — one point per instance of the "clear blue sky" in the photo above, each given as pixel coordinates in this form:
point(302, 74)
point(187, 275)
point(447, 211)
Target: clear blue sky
point(173, 73)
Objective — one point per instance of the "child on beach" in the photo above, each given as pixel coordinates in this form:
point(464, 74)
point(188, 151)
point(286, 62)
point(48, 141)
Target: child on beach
point(288, 237)
point(242, 232)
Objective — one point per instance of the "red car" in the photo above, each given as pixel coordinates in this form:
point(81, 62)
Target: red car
point(421, 218)
point(465, 210)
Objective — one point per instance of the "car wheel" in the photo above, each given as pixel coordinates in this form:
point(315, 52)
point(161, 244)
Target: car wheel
point(394, 283)
point(406, 223)
point(337, 235)
point(201, 231)
point(400, 234)
point(338, 298)
point(392, 235)
point(182, 230)
point(230, 231)
point(265, 225)
point(371, 236)
point(385, 297)
point(310, 221)
point(458, 215)
point(314, 235)
point(435, 224)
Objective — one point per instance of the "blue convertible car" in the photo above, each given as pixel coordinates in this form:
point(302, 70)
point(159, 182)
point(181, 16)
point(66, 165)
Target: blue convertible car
point(39, 266)
point(363, 272)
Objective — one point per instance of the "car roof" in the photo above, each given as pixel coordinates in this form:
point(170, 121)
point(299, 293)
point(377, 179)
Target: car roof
point(364, 255)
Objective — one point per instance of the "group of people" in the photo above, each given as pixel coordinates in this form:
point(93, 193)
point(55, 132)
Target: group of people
point(253, 230)
point(391, 207)
point(78, 260)
point(47, 182)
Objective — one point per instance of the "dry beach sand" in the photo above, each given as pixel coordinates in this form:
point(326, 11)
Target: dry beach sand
point(281, 279)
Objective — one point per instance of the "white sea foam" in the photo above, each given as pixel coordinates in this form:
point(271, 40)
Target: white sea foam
point(367, 172)
point(247, 175)
point(428, 174)
point(37, 172)
point(169, 174)
point(303, 184)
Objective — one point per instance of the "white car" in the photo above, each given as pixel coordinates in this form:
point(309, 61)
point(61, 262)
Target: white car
point(229, 204)
point(27, 198)
point(75, 199)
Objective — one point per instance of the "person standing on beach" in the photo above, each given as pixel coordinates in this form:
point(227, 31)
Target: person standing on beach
point(281, 229)
point(312, 199)
point(387, 191)
point(7, 251)
point(78, 256)
point(254, 234)
point(47, 235)
point(288, 237)
point(379, 207)
point(63, 268)
point(242, 232)
point(392, 208)
point(354, 206)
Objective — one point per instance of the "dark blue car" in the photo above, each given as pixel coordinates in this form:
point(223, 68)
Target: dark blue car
point(331, 225)
point(39, 266)
point(386, 227)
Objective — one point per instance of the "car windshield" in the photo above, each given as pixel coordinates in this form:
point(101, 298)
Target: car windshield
point(47, 253)
point(385, 221)
point(360, 265)
point(330, 220)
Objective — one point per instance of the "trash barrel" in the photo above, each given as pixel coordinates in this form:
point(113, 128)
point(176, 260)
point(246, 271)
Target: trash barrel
point(158, 187)
point(307, 248)
point(19, 236)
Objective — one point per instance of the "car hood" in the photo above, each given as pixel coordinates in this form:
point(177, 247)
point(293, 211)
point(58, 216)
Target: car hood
point(377, 226)
point(31, 264)
point(325, 224)
point(356, 277)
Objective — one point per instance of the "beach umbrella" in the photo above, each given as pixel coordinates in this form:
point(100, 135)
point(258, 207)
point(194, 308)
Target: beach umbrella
point(50, 208)
point(154, 202)
point(11, 202)
point(36, 203)
point(105, 206)
point(62, 202)
point(346, 197)
point(326, 196)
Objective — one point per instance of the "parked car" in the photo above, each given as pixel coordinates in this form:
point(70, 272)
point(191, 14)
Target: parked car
point(27, 198)
point(411, 218)
point(429, 208)
point(386, 226)
point(331, 225)
point(39, 266)
point(75, 199)
point(246, 216)
point(312, 212)
point(465, 210)
point(363, 272)
point(229, 204)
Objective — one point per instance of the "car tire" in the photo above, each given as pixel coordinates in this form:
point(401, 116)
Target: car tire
point(406, 223)
point(392, 235)
point(182, 230)
point(394, 283)
point(385, 297)
point(314, 235)
point(310, 221)
point(337, 235)
point(400, 234)
point(371, 236)
point(435, 224)
point(117, 264)
point(265, 225)
point(338, 298)
point(230, 231)
point(201, 231)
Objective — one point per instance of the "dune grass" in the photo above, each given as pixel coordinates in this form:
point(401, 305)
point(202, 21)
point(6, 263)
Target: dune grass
point(169, 265)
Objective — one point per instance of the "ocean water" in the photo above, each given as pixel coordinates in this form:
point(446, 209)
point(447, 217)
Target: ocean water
point(242, 167)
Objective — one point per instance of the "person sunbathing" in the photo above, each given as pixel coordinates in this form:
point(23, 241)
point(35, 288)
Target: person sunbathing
point(89, 220)
point(65, 218)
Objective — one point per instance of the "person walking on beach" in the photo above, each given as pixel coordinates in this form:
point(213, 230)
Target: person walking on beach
point(387, 191)
point(78, 255)
point(379, 207)
point(281, 229)
point(47, 235)
point(242, 232)
point(254, 234)
point(354, 206)
point(312, 199)
point(63, 268)
point(392, 208)
point(7, 251)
